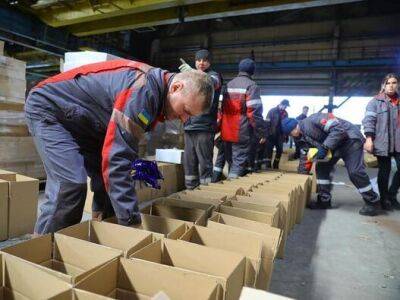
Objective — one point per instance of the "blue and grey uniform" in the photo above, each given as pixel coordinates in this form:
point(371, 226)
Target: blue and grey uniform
point(199, 141)
point(88, 121)
point(346, 142)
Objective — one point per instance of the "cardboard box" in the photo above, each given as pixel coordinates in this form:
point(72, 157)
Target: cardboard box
point(272, 212)
point(184, 195)
point(241, 243)
point(20, 279)
point(7, 175)
point(78, 294)
point(208, 208)
point(269, 236)
point(227, 267)
point(260, 205)
point(193, 215)
point(254, 294)
point(160, 226)
point(174, 156)
point(123, 238)
point(208, 195)
point(228, 190)
point(3, 210)
point(124, 278)
point(67, 258)
point(258, 216)
point(22, 200)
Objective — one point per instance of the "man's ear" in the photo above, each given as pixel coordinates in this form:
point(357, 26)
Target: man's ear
point(176, 86)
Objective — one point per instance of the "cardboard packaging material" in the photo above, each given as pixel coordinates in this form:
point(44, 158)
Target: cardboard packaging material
point(246, 186)
point(7, 175)
point(228, 190)
point(77, 294)
point(241, 201)
point(188, 196)
point(160, 226)
point(67, 258)
point(140, 279)
point(3, 210)
point(193, 215)
point(209, 195)
point(22, 204)
point(238, 242)
point(269, 236)
point(208, 208)
point(228, 268)
point(123, 238)
point(254, 294)
point(23, 280)
point(258, 216)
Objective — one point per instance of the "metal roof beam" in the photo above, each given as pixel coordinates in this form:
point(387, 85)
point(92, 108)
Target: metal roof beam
point(195, 12)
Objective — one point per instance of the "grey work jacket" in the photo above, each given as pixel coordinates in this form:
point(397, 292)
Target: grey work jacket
point(380, 122)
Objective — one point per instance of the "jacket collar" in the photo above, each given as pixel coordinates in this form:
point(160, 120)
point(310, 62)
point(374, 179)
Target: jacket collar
point(244, 74)
point(382, 97)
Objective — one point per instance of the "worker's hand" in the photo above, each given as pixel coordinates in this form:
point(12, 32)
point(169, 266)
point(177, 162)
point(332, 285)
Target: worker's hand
point(185, 67)
point(369, 145)
point(322, 153)
point(262, 140)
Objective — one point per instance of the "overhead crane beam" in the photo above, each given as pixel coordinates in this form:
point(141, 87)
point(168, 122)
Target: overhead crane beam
point(195, 12)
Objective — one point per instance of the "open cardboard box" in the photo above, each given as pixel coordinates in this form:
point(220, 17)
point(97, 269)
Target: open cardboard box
point(209, 195)
point(67, 258)
point(228, 190)
point(160, 226)
point(193, 215)
point(269, 236)
point(18, 205)
point(198, 198)
point(126, 239)
point(256, 204)
point(139, 279)
point(208, 208)
point(270, 218)
point(228, 268)
point(20, 279)
point(238, 242)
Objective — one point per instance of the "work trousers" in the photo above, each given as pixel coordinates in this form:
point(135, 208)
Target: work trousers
point(277, 143)
point(384, 168)
point(198, 158)
point(220, 161)
point(67, 166)
point(353, 156)
point(237, 156)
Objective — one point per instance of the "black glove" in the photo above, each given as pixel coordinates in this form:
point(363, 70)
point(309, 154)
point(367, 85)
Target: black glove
point(322, 152)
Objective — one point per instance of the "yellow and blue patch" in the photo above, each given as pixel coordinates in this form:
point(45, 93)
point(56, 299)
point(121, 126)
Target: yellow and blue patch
point(144, 117)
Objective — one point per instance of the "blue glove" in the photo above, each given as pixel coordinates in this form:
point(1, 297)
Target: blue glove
point(322, 153)
point(147, 171)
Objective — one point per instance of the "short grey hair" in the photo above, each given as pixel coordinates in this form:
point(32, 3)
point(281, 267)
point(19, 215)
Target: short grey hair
point(200, 83)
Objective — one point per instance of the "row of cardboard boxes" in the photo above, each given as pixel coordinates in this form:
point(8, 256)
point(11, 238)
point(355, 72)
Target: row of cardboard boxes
point(19, 198)
point(237, 248)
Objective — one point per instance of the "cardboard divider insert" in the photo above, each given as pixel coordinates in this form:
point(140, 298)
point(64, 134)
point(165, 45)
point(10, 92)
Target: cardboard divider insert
point(134, 278)
point(123, 238)
point(227, 267)
point(67, 258)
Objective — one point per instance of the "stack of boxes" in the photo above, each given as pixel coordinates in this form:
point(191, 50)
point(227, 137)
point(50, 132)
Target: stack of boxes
point(207, 243)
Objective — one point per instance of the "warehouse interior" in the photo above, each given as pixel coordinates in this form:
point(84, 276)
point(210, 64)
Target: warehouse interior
point(336, 49)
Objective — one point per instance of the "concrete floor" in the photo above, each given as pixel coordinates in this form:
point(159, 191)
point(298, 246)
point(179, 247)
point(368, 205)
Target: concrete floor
point(338, 254)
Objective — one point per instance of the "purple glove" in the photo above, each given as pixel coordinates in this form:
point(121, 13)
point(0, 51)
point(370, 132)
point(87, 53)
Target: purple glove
point(147, 171)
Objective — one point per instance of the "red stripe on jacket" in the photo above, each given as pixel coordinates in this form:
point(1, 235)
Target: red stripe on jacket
point(119, 104)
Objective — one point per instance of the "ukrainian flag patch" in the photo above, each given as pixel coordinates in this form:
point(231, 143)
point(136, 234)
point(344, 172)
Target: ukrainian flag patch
point(144, 117)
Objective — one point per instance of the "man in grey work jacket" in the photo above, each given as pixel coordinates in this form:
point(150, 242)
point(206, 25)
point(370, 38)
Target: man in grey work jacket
point(88, 122)
point(200, 131)
point(328, 133)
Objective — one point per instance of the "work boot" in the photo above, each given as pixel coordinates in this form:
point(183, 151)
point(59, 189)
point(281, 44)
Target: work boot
point(276, 163)
point(320, 205)
point(394, 203)
point(268, 164)
point(369, 209)
point(216, 177)
point(386, 204)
